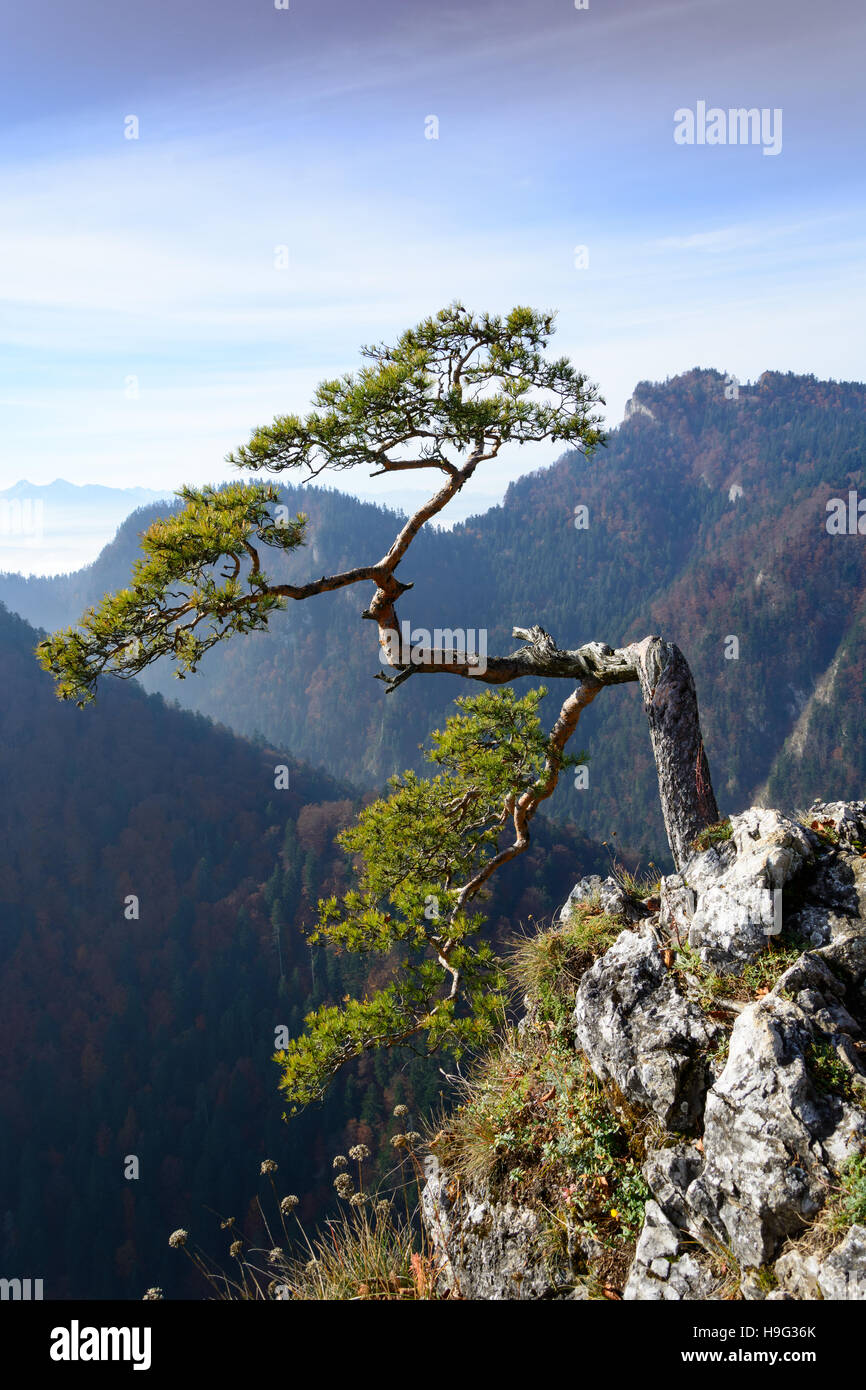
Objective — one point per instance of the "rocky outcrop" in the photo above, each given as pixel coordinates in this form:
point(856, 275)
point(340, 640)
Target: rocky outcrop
point(668, 1264)
point(638, 1030)
point(763, 1098)
point(771, 1139)
point(489, 1250)
point(840, 1275)
point(724, 903)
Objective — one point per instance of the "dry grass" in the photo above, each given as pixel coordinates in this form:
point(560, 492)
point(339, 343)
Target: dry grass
point(360, 1255)
point(369, 1250)
point(547, 966)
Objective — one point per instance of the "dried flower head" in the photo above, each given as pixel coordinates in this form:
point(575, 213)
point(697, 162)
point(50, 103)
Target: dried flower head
point(358, 1199)
point(275, 1256)
point(383, 1207)
point(344, 1185)
point(268, 1167)
point(235, 1249)
point(288, 1204)
point(178, 1239)
point(152, 1294)
point(400, 1112)
point(229, 1222)
point(340, 1161)
point(413, 1138)
point(398, 1141)
point(359, 1152)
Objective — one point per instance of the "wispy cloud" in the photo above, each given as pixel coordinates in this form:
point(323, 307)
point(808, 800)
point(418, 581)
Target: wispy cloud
point(155, 259)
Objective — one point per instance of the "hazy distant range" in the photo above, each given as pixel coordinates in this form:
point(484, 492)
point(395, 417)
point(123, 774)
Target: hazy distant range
point(59, 527)
point(52, 528)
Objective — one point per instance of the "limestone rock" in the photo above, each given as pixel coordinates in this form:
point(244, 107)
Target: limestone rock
point(734, 896)
point(770, 1137)
point(797, 1274)
point(667, 1266)
point(638, 1029)
point(833, 900)
point(777, 1119)
point(843, 1273)
point(486, 1249)
point(848, 820)
point(612, 896)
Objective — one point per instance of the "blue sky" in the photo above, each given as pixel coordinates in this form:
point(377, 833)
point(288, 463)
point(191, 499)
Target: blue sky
point(154, 259)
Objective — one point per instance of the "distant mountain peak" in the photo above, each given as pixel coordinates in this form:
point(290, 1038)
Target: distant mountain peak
point(635, 407)
point(84, 491)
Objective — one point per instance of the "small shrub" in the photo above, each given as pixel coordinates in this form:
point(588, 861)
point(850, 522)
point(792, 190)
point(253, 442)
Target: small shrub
point(753, 981)
point(824, 829)
point(533, 1108)
point(637, 885)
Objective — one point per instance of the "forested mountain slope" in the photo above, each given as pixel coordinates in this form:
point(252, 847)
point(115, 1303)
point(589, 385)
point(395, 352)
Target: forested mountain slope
point(152, 1036)
point(706, 522)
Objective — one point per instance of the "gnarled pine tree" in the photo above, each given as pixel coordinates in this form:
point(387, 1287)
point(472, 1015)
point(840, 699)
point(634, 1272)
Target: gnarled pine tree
point(447, 396)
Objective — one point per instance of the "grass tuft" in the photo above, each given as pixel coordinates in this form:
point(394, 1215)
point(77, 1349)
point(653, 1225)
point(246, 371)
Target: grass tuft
point(547, 966)
point(713, 835)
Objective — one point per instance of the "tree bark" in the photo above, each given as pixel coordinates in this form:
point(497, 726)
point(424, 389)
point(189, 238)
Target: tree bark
point(671, 706)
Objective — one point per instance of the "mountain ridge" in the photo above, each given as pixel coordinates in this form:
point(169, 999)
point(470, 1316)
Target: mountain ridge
point(666, 549)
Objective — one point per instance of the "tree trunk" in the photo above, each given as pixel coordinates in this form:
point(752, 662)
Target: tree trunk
point(671, 707)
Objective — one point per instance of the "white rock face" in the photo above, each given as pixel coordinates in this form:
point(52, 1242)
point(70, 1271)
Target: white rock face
point(777, 1117)
point(771, 1139)
point(637, 1029)
point(843, 1273)
point(733, 885)
point(483, 1249)
point(667, 1266)
point(635, 407)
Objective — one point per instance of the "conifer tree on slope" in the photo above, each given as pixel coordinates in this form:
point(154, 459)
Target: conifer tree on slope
point(446, 397)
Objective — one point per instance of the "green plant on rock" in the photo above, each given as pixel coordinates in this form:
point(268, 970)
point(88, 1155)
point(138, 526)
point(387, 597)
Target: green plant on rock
point(753, 980)
point(443, 400)
point(548, 965)
point(847, 1204)
point(533, 1104)
point(636, 884)
point(713, 835)
point(829, 1073)
point(825, 828)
